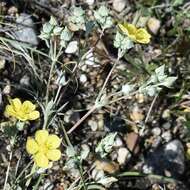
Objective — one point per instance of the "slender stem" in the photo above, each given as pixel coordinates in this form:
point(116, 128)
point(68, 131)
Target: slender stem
point(66, 136)
point(38, 182)
point(150, 109)
point(107, 79)
point(49, 80)
point(8, 169)
point(10, 158)
point(82, 119)
point(81, 175)
point(30, 175)
point(19, 176)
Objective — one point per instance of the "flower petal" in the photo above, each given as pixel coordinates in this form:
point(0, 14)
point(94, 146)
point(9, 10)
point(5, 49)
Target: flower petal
point(53, 141)
point(129, 30)
point(41, 160)
point(53, 155)
point(142, 36)
point(16, 103)
point(28, 106)
point(41, 136)
point(9, 111)
point(33, 115)
point(31, 146)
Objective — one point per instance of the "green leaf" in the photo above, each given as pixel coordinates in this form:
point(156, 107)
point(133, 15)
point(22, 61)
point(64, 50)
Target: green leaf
point(53, 21)
point(47, 28)
point(70, 151)
point(168, 81)
point(177, 2)
point(105, 145)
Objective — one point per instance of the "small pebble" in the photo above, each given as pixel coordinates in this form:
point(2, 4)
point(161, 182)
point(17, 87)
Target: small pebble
point(7, 90)
point(153, 25)
point(136, 115)
point(109, 167)
point(72, 47)
point(123, 155)
point(118, 142)
point(156, 131)
point(119, 5)
point(166, 114)
point(166, 125)
point(167, 136)
point(90, 2)
point(25, 80)
point(147, 169)
point(83, 78)
point(2, 63)
point(93, 125)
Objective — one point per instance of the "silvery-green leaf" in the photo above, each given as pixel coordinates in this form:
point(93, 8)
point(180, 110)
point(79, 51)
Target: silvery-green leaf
point(103, 11)
point(151, 91)
point(108, 23)
point(66, 34)
point(177, 2)
point(102, 17)
point(70, 151)
point(106, 144)
point(57, 30)
point(53, 21)
point(160, 70)
point(77, 11)
point(168, 81)
point(161, 77)
point(63, 43)
point(127, 88)
point(47, 28)
point(44, 36)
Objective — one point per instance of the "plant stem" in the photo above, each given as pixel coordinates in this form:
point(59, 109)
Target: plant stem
point(8, 167)
point(107, 79)
point(38, 182)
point(82, 119)
point(7, 172)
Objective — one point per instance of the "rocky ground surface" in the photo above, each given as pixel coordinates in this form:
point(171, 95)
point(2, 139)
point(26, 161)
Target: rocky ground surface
point(149, 150)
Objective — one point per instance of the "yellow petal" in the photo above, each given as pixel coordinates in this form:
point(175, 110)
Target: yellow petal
point(16, 103)
point(129, 30)
point(9, 111)
point(142, 36)
point(53, 155)
point(53, 141)
point(33, 115)
point(41, 136)
point(31, 146)
point(28, 106)
point(41, 160)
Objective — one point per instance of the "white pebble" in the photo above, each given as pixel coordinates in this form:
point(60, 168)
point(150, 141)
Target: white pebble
point(83, 78)
point(153, 25)
point(123, 154)
point(72, 47)
point(119, 5)
point(90, 2)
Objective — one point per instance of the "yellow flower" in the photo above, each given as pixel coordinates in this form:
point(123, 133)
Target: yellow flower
point(22, 111)
point(139, 35)
point(44, 148)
